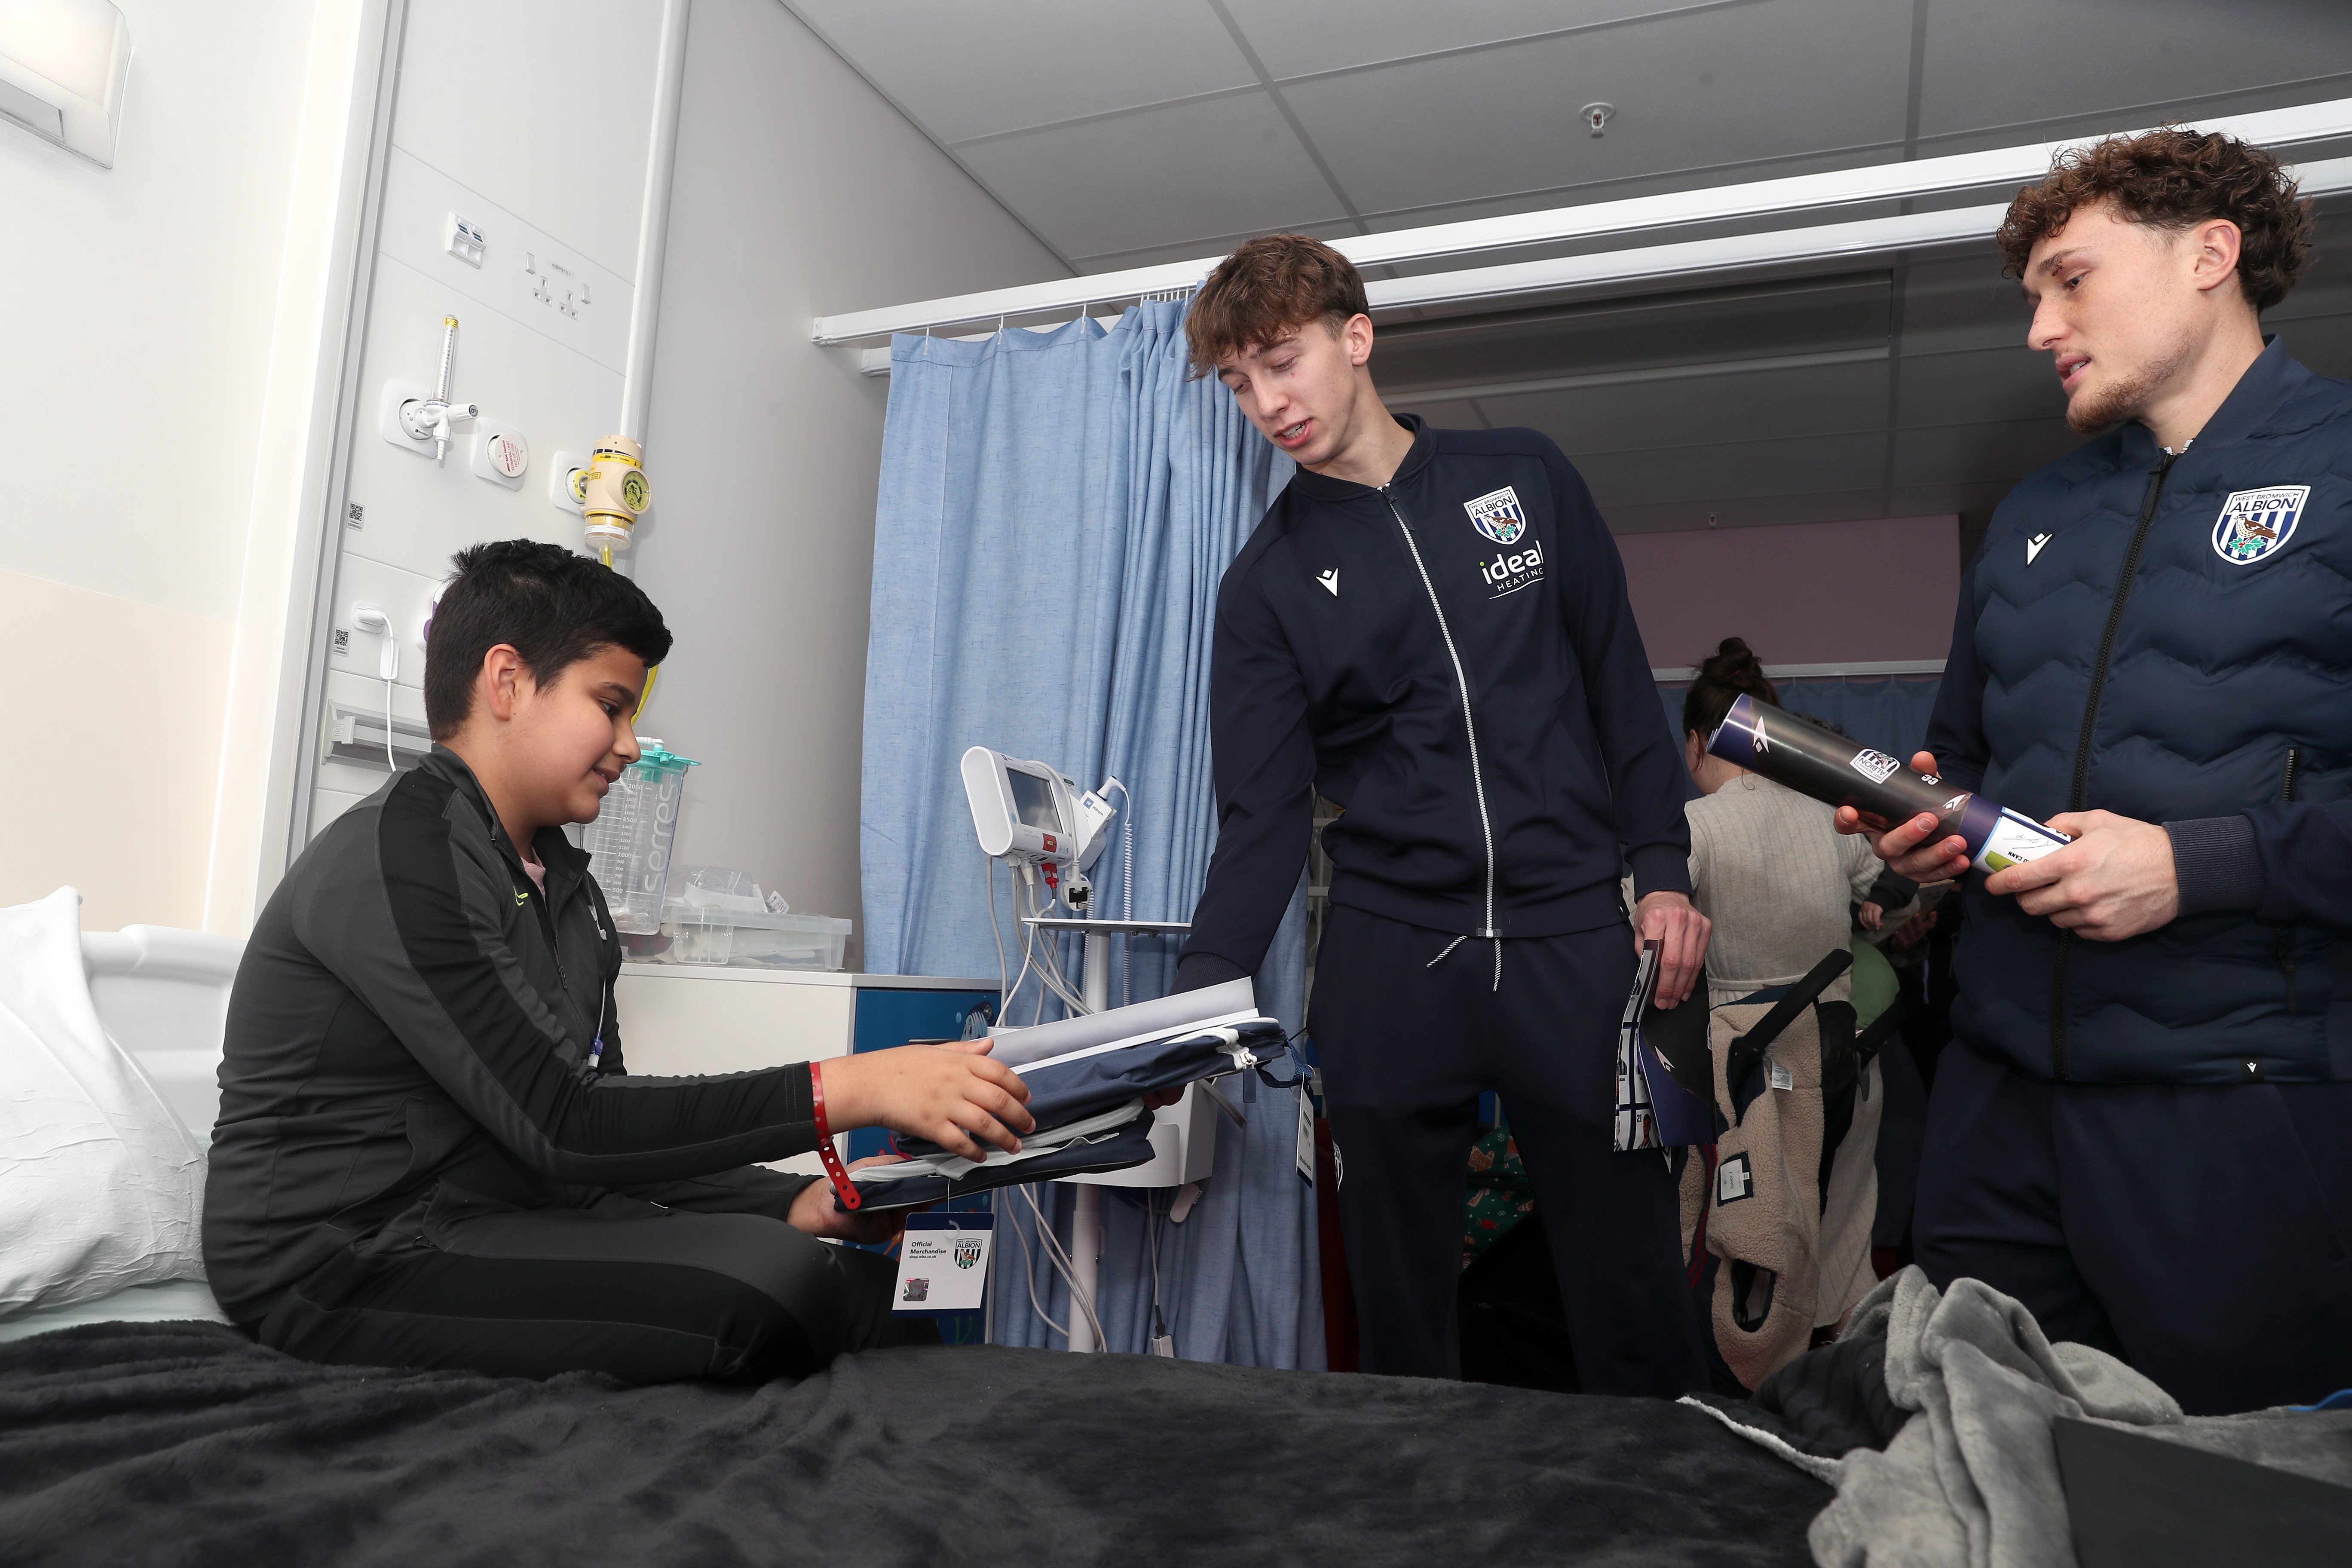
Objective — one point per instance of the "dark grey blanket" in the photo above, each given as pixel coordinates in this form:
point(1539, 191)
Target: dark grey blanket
point(184, 1444)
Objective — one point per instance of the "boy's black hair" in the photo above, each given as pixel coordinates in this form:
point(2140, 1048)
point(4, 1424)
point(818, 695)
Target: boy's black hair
point(552, 607)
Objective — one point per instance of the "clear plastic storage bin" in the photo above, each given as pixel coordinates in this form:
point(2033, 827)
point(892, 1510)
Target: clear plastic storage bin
point(745, 941)
point(628, 844)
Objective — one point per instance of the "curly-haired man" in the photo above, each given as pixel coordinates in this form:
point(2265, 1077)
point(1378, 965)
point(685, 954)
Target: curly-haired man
point(2145, 1131)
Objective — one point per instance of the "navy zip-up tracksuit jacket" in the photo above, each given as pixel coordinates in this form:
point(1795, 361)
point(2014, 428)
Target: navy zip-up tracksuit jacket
point(1452, 659)
point(2170, 638)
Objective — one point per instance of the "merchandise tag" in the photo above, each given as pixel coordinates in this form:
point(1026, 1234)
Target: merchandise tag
point(943, 1263)
point(1306, 1136)
point(1782, 1078)
point(1733, 1181)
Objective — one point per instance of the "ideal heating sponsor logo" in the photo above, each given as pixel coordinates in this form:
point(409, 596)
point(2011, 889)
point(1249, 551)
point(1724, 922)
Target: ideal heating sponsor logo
point(1508, 572)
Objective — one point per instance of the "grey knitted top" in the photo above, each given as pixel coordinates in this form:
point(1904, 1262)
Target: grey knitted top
point(1771, 870)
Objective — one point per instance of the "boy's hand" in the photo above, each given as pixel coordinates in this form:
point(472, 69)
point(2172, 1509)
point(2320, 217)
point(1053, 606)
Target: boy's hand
point(814, 1213)
point(1913, 848)
point(952, 1094)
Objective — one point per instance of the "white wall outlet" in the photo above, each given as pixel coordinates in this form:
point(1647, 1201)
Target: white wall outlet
point(500, 453)
point(464, 242)
point(396, 393)
point(566, 476)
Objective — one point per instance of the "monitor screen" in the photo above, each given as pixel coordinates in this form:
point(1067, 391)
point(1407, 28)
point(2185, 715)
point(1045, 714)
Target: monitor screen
point(1033, 801)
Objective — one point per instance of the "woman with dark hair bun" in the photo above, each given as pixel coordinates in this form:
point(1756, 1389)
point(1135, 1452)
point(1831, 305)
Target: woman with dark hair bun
point(1731, 672)
point(1769, 868)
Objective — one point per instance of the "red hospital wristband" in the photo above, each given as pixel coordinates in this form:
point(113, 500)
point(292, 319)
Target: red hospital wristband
point(844, 1191)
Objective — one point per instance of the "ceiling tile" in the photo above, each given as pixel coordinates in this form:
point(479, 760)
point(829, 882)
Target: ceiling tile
point(1810, 316)
point(1995, 62)
point(1294, 39)
point(1456, 415)
point(1664, 418)
point(1980, 386)
point(962, 69)
point(1690, 91)
point(1751, 467)
point(1963, 303)
point(1157, 177)
point(2000, 453)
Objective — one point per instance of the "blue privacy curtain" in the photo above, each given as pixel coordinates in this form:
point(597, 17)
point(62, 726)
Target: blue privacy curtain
point(1056, 512)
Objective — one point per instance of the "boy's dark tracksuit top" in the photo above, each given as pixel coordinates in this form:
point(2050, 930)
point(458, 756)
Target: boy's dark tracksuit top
point(412, 1025)
point(1450, 658)
point(2170, 638)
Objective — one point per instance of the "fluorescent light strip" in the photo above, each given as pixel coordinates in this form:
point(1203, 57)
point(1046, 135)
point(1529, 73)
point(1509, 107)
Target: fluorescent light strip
point(1844, 187)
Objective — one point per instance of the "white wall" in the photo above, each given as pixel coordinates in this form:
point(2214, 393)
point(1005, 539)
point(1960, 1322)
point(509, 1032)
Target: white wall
point(165, 324)
point(799, 191)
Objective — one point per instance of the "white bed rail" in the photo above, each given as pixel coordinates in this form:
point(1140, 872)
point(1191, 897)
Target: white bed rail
point(162, 994)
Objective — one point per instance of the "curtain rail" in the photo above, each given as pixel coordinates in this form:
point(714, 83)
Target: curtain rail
point(1666, 675)
point(1755, 198)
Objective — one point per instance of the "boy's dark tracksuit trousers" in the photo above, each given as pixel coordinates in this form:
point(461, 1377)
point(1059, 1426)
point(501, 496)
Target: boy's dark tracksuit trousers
point(685, 1280)
point(1451, 658)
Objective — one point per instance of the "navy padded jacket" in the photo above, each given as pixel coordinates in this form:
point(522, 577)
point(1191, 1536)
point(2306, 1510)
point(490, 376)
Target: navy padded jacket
point(2121, 646)
point(1348, 629)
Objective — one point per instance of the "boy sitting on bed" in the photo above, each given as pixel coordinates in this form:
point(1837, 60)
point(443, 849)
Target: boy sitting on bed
point(429, 1153)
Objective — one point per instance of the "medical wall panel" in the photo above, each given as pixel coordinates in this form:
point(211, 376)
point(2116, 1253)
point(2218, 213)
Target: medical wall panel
point(529, 123)
point(414, 514)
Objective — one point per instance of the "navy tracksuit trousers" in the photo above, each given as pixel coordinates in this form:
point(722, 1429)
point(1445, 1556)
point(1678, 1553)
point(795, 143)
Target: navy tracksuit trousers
point(1406, 1047)
point(2198, 1231)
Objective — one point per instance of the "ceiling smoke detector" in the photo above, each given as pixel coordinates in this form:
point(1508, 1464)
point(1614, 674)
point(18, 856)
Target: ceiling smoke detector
point(1596, 117)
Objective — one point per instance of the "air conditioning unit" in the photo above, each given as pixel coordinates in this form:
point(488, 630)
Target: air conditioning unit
point(63, 64)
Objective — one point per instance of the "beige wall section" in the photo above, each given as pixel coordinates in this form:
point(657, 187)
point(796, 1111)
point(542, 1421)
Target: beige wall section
point(116, 718)
point(162, 400)
point(799, 191)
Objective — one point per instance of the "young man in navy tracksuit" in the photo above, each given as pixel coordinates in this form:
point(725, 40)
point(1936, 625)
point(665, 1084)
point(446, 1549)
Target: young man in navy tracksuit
point(1429, 628)
point(2146, 1135)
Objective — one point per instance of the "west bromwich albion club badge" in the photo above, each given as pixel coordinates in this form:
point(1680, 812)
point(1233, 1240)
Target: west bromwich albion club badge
point(2256, 523)
point(1497, 515)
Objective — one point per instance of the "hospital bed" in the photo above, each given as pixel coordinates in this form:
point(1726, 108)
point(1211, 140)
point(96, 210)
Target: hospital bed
point(140, 1429)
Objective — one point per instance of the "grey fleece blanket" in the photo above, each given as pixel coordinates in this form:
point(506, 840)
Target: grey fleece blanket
point(1971, 1479)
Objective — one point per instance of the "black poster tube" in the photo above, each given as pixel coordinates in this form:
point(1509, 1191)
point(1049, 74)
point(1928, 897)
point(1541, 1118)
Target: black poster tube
point(1831, 769)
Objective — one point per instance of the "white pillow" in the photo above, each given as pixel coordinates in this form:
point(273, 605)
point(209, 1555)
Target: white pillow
point(102, 1186)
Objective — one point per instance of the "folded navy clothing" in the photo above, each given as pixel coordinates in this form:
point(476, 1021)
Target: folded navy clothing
point(1114, 1149)
point(1085, 1083)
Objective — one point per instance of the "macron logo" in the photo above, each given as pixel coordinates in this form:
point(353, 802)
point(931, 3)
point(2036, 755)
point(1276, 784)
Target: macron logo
point(1330, 580)
point(2034, 547)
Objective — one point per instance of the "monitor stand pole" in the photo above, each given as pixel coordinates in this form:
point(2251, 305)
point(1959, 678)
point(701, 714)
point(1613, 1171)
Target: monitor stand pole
point(1086, 1223)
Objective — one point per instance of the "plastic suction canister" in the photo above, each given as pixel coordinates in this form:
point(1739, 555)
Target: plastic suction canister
point(1831, 769)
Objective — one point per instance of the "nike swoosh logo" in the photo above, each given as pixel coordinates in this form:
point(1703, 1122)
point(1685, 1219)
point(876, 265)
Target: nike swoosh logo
point(2033, 546)
point(1330, 580)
